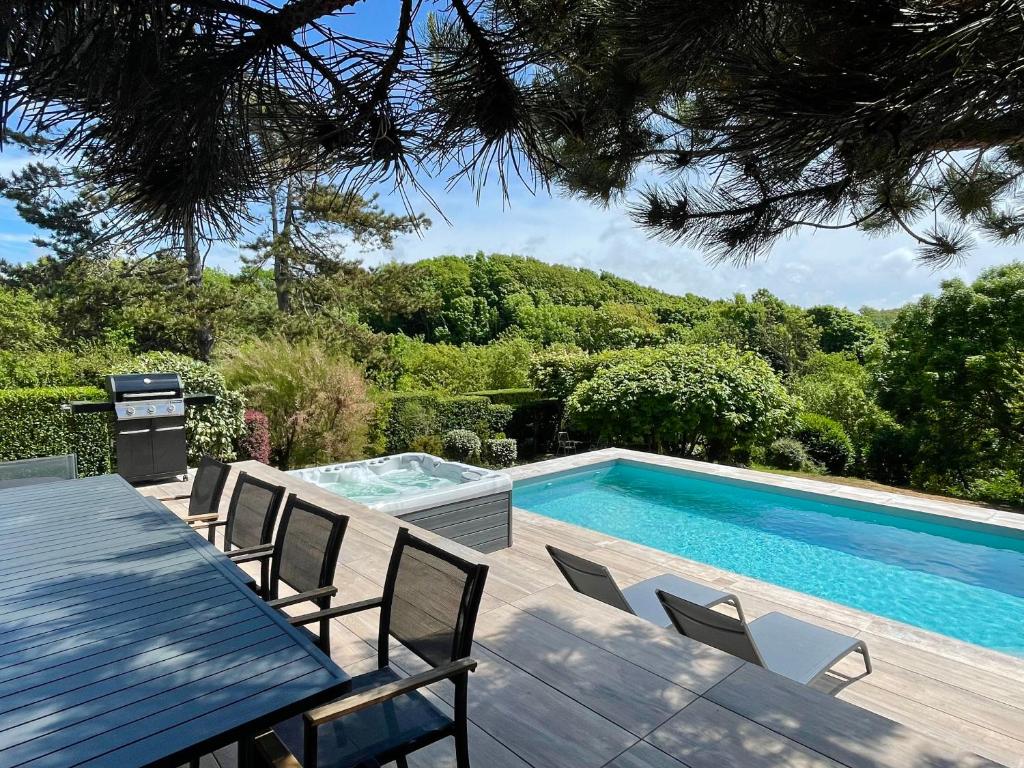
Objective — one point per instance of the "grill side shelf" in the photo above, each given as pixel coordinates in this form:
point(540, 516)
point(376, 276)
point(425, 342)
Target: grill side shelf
point(88, 406)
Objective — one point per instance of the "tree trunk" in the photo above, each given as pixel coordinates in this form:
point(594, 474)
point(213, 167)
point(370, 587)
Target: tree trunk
point(194, 264)
point(282, 247)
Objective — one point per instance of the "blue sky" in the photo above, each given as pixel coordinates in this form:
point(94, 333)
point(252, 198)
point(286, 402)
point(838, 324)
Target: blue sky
point(838, 267)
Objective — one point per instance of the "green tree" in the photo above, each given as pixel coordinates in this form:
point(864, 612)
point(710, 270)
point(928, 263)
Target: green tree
point(843, 330)
point(782, 334)
point(686, 399)
point(762, 118)
point(309, 224)
point(23, 323)
point(953, 375)
point(842, 389)
point(179, 93)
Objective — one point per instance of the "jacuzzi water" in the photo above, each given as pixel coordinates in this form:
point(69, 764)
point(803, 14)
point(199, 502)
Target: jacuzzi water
point(406, 482)
point(360, 484)
point(965, 581)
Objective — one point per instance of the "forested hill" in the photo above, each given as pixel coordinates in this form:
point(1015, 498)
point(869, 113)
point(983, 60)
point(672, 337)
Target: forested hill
point(476, 299)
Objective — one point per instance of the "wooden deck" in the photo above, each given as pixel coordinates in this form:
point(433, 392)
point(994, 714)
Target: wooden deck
point(568, 682)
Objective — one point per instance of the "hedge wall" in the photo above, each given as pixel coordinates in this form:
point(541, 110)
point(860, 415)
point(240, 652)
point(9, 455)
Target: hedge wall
point(513, 397)
point(32, 424)
point(401, 417)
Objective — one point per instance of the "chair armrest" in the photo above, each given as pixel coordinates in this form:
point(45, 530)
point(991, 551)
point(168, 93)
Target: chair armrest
point(209, 517)
point(173, 498)
point(303, 597)
point(331, 613)
point(365, 699)
point(248, 554)
point(205, 526)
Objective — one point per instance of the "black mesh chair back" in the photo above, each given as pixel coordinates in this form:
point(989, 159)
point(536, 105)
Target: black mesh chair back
point(46, 469)
point(710, 627)
point(252, 512)
point(431, 599)
point(589, 578)
point(208, 486)
point(307, 547)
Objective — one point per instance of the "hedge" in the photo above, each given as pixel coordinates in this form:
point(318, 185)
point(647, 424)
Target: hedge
point(402, 417)
point(513, 397)
point(33, 424)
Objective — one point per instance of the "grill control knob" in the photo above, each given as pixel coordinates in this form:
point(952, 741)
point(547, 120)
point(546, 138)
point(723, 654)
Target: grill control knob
point(151, 409)
point(170, 408)
point(130, 411)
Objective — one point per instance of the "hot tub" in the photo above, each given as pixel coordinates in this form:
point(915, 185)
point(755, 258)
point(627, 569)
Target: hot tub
point(467, 504)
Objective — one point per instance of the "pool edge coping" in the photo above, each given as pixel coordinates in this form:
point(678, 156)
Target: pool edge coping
point(933, 642)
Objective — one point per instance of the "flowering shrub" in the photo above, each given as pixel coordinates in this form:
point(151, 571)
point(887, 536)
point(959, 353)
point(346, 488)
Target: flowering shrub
point(255, 440)
point(461, 444)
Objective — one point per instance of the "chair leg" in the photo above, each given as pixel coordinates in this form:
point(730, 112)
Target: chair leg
point(401, 762)
point(325, 636)
point(265, 578)
point(867, 659)
point(462, 746)
point(461, 721)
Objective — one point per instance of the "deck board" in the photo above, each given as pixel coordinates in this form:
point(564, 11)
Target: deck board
point(535, 700)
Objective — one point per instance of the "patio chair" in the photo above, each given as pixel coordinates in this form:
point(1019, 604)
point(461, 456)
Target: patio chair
point(207, 489)
point(641, 599)
point(565, 446)
point(429, 605)
point(304, 556)
point(46, 469)
point(789, 647)
point(249, 525)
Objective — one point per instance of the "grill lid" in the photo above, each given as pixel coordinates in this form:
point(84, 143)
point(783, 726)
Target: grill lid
point(134, 386)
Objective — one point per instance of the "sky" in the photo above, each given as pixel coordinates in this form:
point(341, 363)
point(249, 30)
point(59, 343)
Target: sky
point(844, 267)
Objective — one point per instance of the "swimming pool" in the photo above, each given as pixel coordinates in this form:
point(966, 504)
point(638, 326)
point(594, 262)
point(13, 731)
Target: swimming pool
point(965, 580)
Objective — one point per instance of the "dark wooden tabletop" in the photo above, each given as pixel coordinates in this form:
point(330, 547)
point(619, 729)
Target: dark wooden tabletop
point(127, 640)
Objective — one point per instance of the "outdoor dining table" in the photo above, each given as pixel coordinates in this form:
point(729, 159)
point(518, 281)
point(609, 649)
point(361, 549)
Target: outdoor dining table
point(126, 639)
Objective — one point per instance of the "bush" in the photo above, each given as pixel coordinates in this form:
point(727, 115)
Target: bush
point(685, 399)
point(787, 453)
point(409, 417)
point(33, 424)
point(501, 452)
point(254, 443)
point(997, 487)
point(498, 417)
point(889, 455)
point(461, 445)
point(211, 429)
point(826, 442)
point(316, 402)
point(432, 444)
point(404, 416)
point(463, 412)
point(502, 363)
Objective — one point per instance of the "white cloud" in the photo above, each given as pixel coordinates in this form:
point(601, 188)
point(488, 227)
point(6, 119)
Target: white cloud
point(838, 267)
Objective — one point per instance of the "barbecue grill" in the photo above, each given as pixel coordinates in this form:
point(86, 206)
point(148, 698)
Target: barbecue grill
point(149, 416)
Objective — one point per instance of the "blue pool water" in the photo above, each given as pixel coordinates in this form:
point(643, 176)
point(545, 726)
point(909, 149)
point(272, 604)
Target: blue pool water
point(967, 583)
